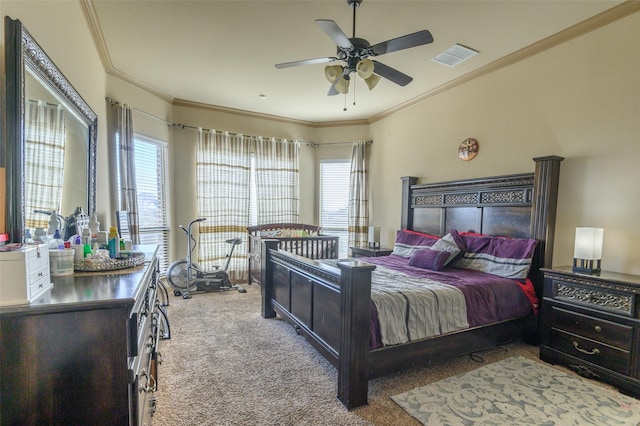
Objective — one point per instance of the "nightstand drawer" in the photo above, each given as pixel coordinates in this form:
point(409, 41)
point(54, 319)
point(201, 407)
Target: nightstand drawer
point(606, 332)
point(592, 351)
point(603, 299)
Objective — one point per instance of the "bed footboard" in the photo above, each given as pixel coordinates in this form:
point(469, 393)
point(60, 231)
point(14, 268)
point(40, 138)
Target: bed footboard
point(315, 298)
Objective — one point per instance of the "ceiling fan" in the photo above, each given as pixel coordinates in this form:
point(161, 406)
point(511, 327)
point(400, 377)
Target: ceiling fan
point(356, 52)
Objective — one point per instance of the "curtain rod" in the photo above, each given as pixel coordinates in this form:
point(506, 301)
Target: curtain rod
point(316, 145)
point(185, 126)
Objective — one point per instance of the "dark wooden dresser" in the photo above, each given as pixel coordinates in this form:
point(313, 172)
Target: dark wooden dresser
point(591, 323)
point(86, 353)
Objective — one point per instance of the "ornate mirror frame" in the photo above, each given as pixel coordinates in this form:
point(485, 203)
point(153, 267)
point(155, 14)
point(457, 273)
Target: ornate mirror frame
point(21, 50)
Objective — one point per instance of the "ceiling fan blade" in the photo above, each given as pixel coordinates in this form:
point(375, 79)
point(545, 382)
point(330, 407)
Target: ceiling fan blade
point(410, 40)
point(336, 34)
point(306, 62)
point(332, 90)
point(391, 74)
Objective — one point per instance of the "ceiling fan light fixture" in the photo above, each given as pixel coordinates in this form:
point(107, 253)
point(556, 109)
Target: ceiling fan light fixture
point(365, 68)
point(332, 72)
point(372, 81)
point(342, 85)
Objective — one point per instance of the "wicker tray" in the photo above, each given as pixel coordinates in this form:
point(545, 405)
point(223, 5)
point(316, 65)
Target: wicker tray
point(95, 265)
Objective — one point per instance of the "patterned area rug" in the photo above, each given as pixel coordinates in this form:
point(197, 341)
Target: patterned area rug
point(518, 391)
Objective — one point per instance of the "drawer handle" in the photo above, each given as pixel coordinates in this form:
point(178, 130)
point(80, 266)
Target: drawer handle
point(597, 328)
point(595, 351)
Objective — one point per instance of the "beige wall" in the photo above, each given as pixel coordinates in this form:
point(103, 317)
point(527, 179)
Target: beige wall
point(579, 100)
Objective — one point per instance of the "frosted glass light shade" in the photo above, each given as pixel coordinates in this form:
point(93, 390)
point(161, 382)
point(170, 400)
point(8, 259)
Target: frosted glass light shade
point(332, 72)
point(374, 236)
point(588, 244)
point(372, 81)
point(365, 68)
point(342, 85)
point(587, 251)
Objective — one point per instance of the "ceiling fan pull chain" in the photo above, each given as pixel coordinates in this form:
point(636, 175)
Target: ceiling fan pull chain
point(354, 91)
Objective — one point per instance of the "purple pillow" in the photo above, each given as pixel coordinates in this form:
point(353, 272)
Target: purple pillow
point(408, 242)
point(505, 257)
point(429, 259)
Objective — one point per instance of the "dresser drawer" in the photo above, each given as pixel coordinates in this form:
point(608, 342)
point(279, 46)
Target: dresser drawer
point(592, 351)
point(603, 331)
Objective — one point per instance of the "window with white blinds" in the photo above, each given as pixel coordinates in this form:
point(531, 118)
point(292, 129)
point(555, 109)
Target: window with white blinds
point(334, 201)
point(151, 185)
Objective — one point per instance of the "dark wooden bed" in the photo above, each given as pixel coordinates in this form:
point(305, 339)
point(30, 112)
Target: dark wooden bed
point(313, 246)
point(331, 306)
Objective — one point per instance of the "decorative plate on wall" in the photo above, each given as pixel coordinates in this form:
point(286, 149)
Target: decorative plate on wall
point(468, 149)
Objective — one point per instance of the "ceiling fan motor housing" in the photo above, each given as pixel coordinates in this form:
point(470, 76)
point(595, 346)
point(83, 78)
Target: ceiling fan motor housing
point(353, 56)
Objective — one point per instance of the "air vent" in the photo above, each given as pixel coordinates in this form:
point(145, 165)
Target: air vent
point(454, 55)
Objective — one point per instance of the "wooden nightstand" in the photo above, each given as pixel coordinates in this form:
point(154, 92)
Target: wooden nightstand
point(364, 251)
point(591, 324)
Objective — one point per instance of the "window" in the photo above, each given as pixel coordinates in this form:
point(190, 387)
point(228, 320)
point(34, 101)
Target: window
point(334, 201)
point(151, 184)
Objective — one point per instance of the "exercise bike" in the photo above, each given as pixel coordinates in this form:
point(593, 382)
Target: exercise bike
point(186, 276)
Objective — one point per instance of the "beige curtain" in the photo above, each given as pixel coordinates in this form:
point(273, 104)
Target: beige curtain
point(125, 154)
point(277, 181)
point(223, 164)
point(358, 195)
point(45, 136)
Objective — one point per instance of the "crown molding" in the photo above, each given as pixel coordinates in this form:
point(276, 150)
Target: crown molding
point(618, 12)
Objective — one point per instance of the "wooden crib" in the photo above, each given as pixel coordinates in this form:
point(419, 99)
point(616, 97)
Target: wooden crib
point(301, 239)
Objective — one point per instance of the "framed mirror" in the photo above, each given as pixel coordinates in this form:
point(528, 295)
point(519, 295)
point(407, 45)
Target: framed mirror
point(51, 140)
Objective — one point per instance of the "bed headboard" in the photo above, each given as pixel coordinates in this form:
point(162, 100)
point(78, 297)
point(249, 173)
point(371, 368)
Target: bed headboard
point(520, 205)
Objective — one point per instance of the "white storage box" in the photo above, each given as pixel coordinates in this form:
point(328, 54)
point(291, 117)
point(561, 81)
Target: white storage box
point(24, 274)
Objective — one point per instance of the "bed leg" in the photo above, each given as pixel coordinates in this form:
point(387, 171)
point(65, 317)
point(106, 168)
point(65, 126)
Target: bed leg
point(353, 363)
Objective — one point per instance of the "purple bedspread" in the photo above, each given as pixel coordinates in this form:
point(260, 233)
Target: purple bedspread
point(489, 298)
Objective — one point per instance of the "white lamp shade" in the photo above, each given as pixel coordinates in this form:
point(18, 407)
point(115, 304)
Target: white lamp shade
point(365, 68)
point(588, 244)
point(342, 85)
point(374, 234)
point(332, 72)
point(372, 80)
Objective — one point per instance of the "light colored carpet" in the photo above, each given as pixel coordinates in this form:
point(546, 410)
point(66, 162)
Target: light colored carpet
point(226, 365)
point(518, 391)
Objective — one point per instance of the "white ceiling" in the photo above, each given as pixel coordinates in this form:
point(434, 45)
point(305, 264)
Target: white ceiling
point(223, 53)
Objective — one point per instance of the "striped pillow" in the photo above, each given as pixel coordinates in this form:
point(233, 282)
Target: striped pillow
point(409, 242)
point(505, 257)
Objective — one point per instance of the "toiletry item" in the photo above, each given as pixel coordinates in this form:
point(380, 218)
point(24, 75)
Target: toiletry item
point(79, 249)
point(94, 225)
point(86, 236)
point(61, 262)
point(57, 242)
point(87, 250)
point(114, 243)
point(102, 238)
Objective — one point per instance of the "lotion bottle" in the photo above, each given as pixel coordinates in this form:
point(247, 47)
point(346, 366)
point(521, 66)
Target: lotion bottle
point(114, 243)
